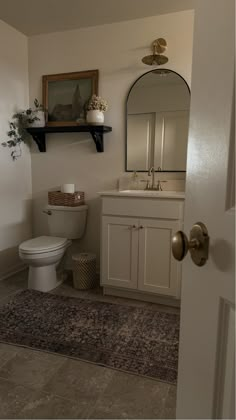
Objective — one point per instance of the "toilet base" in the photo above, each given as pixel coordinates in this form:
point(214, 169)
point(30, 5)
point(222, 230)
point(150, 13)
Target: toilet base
point(44, 278)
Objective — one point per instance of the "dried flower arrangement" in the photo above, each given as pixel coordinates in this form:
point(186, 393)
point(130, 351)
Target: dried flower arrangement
point(97, 103)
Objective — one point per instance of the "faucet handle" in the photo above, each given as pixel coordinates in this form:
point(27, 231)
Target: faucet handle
point(147, 187)
point(159, 182)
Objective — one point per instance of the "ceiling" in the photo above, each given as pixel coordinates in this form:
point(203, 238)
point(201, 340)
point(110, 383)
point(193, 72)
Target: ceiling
point(44, 16)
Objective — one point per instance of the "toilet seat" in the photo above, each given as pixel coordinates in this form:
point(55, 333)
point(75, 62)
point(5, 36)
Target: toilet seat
point(43, 244)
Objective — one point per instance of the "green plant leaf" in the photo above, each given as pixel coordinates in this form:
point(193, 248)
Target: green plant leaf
point(11, 143)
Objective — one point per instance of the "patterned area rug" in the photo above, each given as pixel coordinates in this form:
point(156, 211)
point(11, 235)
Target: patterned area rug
point(126, 338)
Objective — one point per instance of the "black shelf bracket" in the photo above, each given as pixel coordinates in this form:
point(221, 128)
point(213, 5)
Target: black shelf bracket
point(39, 139)
point(98, 140)
point(96, 131)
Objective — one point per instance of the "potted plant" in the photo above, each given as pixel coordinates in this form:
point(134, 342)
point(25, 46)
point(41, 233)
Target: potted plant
point(95, 110)
point(17, 127)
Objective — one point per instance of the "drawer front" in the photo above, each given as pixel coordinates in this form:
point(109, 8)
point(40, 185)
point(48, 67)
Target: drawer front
point(143, 207)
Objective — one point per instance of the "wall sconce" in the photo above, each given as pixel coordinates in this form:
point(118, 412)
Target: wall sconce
point(156, 58)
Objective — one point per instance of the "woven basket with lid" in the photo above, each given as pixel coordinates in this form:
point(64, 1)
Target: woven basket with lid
point(84, 271)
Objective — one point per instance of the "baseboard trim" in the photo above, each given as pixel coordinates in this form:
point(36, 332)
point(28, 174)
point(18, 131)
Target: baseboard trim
point(141, 296)
point(11, 272)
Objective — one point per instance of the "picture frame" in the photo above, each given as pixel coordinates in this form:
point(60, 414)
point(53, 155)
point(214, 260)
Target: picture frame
point(65, 96)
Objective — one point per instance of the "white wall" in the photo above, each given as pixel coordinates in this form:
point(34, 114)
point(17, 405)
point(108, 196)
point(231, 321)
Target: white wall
point(15, 177)
point(116, 50)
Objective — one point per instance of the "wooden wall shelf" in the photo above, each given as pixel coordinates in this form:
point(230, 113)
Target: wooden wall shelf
point(96, 131)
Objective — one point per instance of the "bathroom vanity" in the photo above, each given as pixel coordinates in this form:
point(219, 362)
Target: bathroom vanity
point(136, 232)
point(138, 225)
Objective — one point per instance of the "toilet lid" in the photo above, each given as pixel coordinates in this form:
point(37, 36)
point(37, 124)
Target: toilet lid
point(42, 244)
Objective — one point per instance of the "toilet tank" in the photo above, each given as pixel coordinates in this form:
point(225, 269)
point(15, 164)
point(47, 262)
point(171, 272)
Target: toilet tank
point(67, 222)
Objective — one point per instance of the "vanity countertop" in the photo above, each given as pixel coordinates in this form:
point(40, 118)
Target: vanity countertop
point(144, 194)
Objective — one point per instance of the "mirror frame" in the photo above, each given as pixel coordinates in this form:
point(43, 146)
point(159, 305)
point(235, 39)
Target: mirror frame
point(126, 113)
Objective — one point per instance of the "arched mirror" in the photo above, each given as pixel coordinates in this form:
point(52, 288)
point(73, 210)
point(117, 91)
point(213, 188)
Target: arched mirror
point(157, 118)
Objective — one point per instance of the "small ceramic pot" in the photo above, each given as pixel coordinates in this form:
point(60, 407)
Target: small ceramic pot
point(95, 117)
point(41, 119)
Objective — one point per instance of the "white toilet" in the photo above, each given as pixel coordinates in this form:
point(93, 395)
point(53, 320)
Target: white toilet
point(44, 253)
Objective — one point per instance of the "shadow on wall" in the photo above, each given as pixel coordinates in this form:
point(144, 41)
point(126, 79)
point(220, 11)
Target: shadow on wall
point(12, 234)
point(40, 201)
point(91, 240)
point(81, 141)
point(9, 262)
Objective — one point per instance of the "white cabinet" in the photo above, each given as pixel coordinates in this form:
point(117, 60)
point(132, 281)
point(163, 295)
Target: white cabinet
point(158, 271)
point(136, 250)
point(136, 254)
point(119, 251)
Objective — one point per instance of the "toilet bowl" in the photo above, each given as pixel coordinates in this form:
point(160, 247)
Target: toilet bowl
point(44, 253)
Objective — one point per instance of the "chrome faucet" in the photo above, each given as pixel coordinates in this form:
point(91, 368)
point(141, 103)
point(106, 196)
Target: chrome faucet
point(159, 187)
point(151, 172)
point(152, 186)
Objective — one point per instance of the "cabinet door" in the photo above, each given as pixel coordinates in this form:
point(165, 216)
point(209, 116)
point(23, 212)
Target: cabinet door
point(158, 271)
point(119, 259)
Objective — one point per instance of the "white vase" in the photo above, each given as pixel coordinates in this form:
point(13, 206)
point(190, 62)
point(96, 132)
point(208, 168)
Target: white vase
point(95, 117)
point(41, 119)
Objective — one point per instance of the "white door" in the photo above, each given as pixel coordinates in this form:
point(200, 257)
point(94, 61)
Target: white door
point(119, 251)
point(158, 271)
point(206, 365)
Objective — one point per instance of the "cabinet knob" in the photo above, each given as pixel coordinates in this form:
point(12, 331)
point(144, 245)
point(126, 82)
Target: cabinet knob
point(132, 227)
point(141, 227)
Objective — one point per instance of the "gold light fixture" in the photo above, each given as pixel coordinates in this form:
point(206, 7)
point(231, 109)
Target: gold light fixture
point(156, 58)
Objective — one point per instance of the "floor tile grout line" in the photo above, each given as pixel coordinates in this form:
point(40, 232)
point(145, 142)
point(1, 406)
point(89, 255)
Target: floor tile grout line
point(4, 363)
point(35, 392)
point(98, 398)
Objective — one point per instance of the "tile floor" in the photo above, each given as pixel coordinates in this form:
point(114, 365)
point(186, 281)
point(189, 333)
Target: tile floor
point(37, 385)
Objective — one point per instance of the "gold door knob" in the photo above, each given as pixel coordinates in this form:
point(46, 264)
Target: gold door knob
point(197, 245)
point(179, 245)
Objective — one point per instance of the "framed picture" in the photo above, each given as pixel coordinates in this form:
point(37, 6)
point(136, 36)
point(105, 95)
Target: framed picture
point(66, 95)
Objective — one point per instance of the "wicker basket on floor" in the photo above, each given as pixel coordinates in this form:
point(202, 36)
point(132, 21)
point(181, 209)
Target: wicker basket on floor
point(84, 271)
point(58, 198)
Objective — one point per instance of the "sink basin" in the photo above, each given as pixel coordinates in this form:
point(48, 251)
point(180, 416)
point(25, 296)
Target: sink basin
point(153, 193)
point(145, 193)
point(150, 192)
